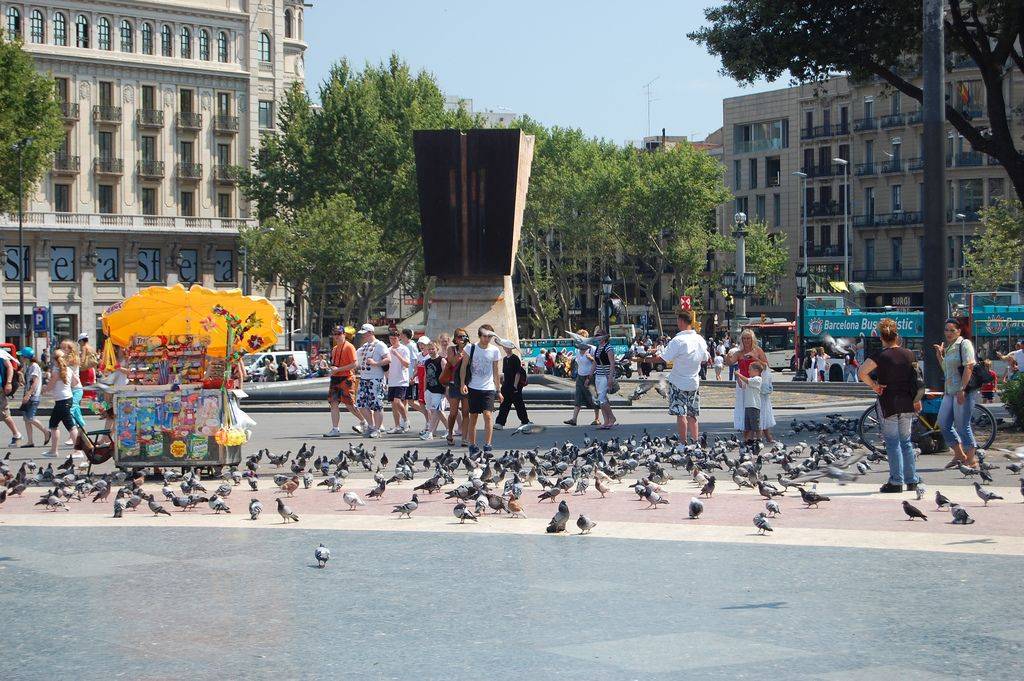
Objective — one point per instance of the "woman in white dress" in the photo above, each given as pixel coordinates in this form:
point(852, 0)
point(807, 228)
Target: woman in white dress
point(767, 415)
point(743, 356)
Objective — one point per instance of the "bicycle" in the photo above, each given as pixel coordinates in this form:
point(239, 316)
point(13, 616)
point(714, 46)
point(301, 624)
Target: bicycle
point(925, 431)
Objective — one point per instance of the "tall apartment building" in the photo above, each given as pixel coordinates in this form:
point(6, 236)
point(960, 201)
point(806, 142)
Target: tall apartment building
point(162, 101)
point(877, 130)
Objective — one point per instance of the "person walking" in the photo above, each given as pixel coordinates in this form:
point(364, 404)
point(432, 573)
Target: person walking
point(821, 365)
point(513, 380)
point(74, 362)
point(719, 364)
point(892, 376)
point(398, 382)
point(850, 367)
point(411, 401)
point(741, 357)
point(688, 352)
point(30, 398)
point(480, 380)
point(342, 388)
point(433, 389)
point(604, 376)
point(583, 397)
point(63, 381)
point(371, 358)
point(956, 356)
point(7, 371)
point(458, 405)
point(89, 360)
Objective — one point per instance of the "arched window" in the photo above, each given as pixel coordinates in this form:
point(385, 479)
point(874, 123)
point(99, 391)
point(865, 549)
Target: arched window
point(288, 24)
point(127, 36)
point(13, 23)
point(204, 44)
point(81, 31)
point(103, 33)
point(264, 47)
point(185, 50)
point(147, 38)
point(60, 30)
point(222, 47)
point(37, 27)
point(166, 41)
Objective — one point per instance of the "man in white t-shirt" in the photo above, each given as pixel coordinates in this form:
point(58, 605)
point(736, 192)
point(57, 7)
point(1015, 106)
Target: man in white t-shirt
point(1016, 358)
point(371, 358)
point(398, 361)
point(481, 386)
point(412, 397)
point(583, 397)
point(687, 351)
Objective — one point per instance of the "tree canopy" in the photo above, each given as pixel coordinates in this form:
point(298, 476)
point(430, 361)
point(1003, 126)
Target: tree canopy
point(995, 256)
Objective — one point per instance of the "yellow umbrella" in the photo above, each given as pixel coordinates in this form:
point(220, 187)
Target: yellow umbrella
point(176, 310)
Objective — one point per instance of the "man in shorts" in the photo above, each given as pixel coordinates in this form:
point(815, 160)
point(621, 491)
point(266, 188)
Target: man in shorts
point(583, 397)
point(342, 389)
point(480, 378)
point(371, 358)
point(397, 373)
point(687, 351)
point(412, 392)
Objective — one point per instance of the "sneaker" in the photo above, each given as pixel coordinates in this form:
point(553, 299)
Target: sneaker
point(404, 428)
point(426, 435)
point(394, 431)
point(374, 433)
point(570, 422)
point(499, 426)
point(49, 455)
point(333, 432)
point(890, 488)
point(359, 428)
point(14, 441)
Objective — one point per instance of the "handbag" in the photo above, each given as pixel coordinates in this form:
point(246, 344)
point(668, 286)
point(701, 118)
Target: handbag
point(979, 375)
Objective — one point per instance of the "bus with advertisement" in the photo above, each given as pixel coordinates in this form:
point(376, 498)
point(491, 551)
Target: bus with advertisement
point(776, 337)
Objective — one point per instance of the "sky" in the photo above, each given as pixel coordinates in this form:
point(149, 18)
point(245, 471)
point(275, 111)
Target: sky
point(572, 63)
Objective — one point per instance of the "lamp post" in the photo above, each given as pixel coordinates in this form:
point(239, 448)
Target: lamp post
point(963, 242)
point(288, 305)
point(606, 289)
point(246, 283)
point(19, 147)
point(846, 216)
point(801, 294)
point(739, 287)
point(803, 223)
point(741, 280)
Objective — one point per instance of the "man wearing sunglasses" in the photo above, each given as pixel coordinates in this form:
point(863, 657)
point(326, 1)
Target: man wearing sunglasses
point(480, 378)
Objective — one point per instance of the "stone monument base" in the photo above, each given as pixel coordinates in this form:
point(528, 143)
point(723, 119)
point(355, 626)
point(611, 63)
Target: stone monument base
point(468, 303)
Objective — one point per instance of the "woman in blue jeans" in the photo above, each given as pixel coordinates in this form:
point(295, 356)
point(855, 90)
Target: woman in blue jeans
point(891, 374)
point(957, 358)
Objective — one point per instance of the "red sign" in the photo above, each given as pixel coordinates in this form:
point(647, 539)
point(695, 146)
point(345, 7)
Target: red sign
point(685, 302)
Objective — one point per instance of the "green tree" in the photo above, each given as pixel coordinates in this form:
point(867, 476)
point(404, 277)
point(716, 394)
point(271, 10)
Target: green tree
point(767, 255)
point(28, 109)
point(996, 254)
point(813, 39)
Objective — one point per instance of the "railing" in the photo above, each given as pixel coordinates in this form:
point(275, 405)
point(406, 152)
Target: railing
point(106, 114)
point(189, 171)
point(825, 251)
point(189, 120)
point(226, 174)
point(896, 274)
point(747, 146)
point(830, 130)
point(827, 170)
point(156, 222)
point(108, 166)
point(914, 117)
point(895, 219)
point(65, 164)
point(150, 118)
point(151, 168)
point(225, 123)
point(823, 209)
point(865, 124)
point(69, 111)
point(891, 121)
point(970, 158)
point(893, 165)
point(864, 169)
point(915, 164)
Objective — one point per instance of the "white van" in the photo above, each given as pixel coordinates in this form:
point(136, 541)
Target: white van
point(254, 364)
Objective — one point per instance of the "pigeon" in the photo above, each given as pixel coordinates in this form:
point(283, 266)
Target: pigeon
point(285, 512)
point(515, 507)
point(772, 507)
point(218, 505)
point(119, 507)
point(585, 524)
point(696, 508)
point(560, 518)
point(984, 494)
point(407, 508)
point(654, 499)
point(812, 498)
point(604, 489)
point(709, 487)
point(353, 500)
point(529, 429)
point(960, 515)
point(762, 524)
point(913, 511)
point(462, 512)
point(921, 489)
point(255, 508)
point(290, 485)
point(156, 508)
point(322, 555)
point(941, 501)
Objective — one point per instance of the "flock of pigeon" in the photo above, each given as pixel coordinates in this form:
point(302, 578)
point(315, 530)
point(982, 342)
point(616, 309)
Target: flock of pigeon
point(496, 483)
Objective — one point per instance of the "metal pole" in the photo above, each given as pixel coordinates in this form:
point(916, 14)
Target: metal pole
point(963, 245)
point(800, 335)
point(934, 280)
point(740, 293)
point(21, 245)
point(846, 221)
point(246, 284)
point(803, 236)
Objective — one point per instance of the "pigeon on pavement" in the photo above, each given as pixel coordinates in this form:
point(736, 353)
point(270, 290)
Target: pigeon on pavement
point(353, 500)
point(462, 512)
point(255, 508)
point(156, 508)
point(960, 515)
point(696, 508)
point(560, 518)
point(812, 498)
point(984, 494)
point(773, 508)
point(407, 508)
point(913, 511)
point(762, 524)
point(322, 555)
point(941, 501)
point(585, 524)
point(285, 512)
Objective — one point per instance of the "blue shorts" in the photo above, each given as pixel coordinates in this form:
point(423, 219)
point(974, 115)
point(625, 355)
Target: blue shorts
point(28, 410)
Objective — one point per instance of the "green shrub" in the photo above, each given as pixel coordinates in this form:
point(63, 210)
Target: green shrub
point(1012, 394)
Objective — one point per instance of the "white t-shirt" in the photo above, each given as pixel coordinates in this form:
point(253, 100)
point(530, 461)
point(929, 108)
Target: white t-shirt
point(482, 367)
point(719, 361)
point(687, 351)
point(819, 362)
point(33, 371)
point(375, 350)
point(398, 375)
point(584, 364)
point(541, 360)
point(752, 393)
point(414, 358)
point(61, 390)
point(1018, 357)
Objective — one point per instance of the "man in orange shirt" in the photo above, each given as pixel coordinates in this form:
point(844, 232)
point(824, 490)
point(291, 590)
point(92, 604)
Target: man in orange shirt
point(343, 385)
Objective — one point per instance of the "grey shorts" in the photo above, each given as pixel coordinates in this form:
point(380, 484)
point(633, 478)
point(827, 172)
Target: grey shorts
point(583, 397)
point(751, 418)
point(683, 402)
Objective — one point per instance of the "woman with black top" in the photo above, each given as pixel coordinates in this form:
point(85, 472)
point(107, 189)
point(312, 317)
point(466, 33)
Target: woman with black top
point(893, 377)
point(512, 382)
point(604, 376)
point(458, 405)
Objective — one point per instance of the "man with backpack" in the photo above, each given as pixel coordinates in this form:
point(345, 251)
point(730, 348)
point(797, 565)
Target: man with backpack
point(10, 377)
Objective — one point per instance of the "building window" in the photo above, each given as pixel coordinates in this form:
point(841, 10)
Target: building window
point(62, 198)
point(13, 23)
point(971, 197)
point(223, 205)
point(149, 200)
point(148, 97)
point(81, 31)
point(996, 189)
point(897, 198)
point(108, 265)
point(147, 145)
point(187, 151)
point(185, 48)
point(37, 27)
point(60, 30)
point(869, 107)
point(147, 38)
point(13, 269)
point(897, 255)
point(105, 198)
point(188, 208)
point(127, 36)
point(62, 263)
point(106, 145)
point(266, 114)
point(737, 167)
point(103, 34)
point(826, 235)
point(223, 154)
point(149, 265)
point(753, 173)
point(776, 210)
point(264, 48)
point(188, 265)
point(287, 23)
point(761, 136)
point(741, 205)
point(869, 200)
point(222, 47)
point(223, 266)
point(204, 44)
point(759, 208)
point(869, 254)
point(166, 41)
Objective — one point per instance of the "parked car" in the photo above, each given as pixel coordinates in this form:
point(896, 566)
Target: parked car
point(254, 364)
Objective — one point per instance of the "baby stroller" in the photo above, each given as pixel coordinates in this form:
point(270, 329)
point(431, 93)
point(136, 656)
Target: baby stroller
point(96, 445)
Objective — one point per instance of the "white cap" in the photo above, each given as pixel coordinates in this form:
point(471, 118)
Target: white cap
point(83, 337)
point(423, 339)
point(366, 328)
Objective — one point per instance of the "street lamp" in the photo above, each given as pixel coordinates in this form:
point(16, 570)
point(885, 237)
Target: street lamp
point(963, 242)
point(803, 226)
point(288, 305)
point(19, 148)
point(739, 280)
point(801, 294)
point(846, 215)
point(606, 289)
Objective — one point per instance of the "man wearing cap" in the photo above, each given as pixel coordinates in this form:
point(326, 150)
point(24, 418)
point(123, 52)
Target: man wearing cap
point(371, 358)
point(343, 386)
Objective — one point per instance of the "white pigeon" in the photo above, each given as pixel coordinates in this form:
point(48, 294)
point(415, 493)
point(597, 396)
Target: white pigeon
point(322, 555)
point(353, 500)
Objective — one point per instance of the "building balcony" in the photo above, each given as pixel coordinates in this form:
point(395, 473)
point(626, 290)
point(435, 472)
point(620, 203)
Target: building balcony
point(149, 118)
point(151, 169)
point(225, 124)
point(189, 172)
point(65, 164)
point(825, 251)
point(818, 131)
point(748, 146)
point(914, 117)
point(892, 274)
point(827, 170)
point(227, 174)
point(893, 165)
point(862, 169)
point(862, 124)
point(101, 222)
point(914, 164)
point(69, 111)
point(108, 166)
point(969, 158)
point(106, 114)
point(817, 210)
point(891, 121)
point(898, 218)
point(189, 120)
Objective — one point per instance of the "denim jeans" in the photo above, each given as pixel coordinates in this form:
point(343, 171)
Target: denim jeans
point(955, 420)
point(896, 434)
